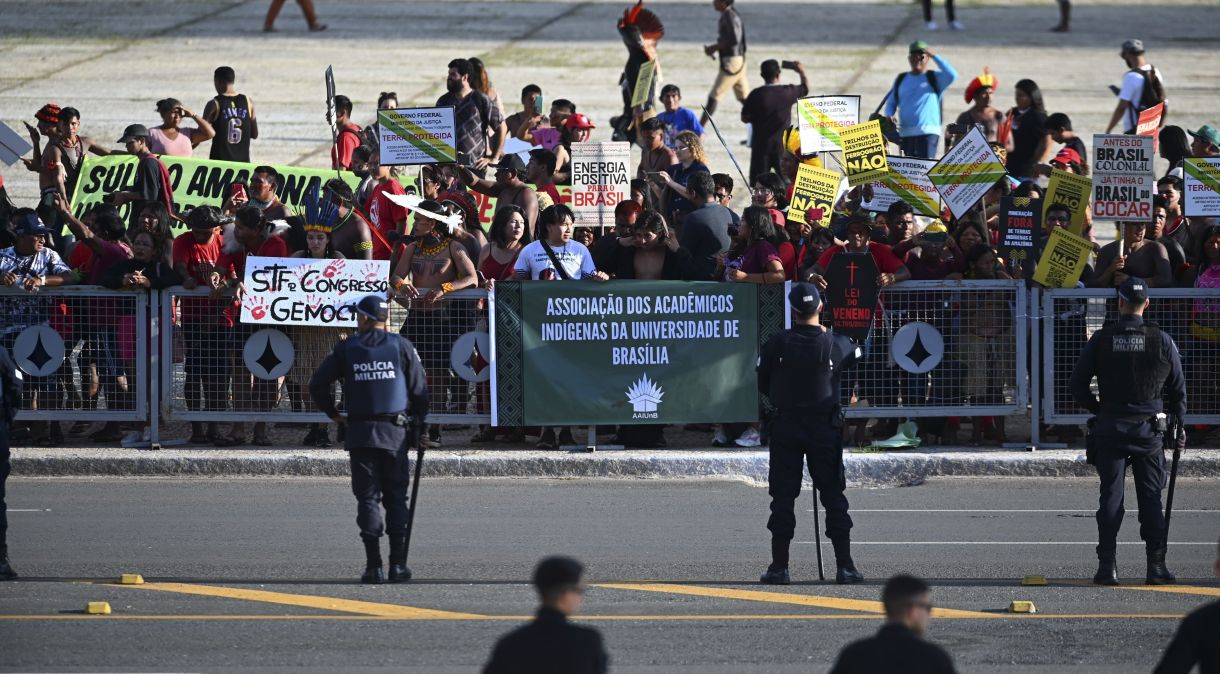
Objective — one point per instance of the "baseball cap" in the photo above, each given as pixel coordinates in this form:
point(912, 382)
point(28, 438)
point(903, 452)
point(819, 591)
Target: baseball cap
point(374, 307)
point(1132, 46)
point(30, 225)
point(917, 47)
point(511, 162)
point(804, 298)
point(132, 132)
point(1067, 156)
point(1208, 133)
point(579, 121)
point(936, 232)
point(1133, 290)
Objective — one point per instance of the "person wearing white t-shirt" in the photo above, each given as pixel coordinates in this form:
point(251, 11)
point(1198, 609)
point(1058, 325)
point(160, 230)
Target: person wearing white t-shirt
point(537, 260)
point(1131, 94)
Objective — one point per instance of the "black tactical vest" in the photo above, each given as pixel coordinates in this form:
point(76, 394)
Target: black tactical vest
point(375, 383)
point(1131, 365)
point(810, 367)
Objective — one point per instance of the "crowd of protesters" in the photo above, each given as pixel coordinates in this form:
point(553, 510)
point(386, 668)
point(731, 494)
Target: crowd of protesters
point(677, 225)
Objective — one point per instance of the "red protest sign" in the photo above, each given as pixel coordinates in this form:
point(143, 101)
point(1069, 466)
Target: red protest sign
point(1150, 122)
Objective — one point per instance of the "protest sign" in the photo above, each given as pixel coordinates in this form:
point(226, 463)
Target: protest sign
point(863, 152)
point(1063, 259)
point(636, 352)
point(1070, 190)
point(417, 136)
point(599, 181)
point(1020, 225)
point(306, 291)
point(907, 181)
point(814, 188)
point(12, 145)
point(1150, 122)
point(1123, 182)
point(821, 120)
point(1201, 188)
point(643, 83)
point(966, 172)
point(851, 294)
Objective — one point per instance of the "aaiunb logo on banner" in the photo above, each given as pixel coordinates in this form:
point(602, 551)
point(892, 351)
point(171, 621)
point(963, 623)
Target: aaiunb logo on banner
point(644, 395)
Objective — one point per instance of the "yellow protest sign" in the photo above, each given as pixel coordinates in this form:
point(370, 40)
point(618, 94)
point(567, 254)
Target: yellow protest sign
point(1063, 259)
point(643, 83)
point(1072, 191)
point(814, 188)
point(864, 152)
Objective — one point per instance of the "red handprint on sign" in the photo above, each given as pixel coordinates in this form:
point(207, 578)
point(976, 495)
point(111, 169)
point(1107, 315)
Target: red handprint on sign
point(333, 269)
point(313, 301)
point(257, 307)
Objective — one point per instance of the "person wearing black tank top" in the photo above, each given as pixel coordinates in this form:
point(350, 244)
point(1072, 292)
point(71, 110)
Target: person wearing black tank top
point(232, 115)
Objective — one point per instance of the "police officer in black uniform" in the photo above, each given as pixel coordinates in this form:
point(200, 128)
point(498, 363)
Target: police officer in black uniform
point(1133, 362)
point(799, 369)
point(386, 400)
point(10, 402)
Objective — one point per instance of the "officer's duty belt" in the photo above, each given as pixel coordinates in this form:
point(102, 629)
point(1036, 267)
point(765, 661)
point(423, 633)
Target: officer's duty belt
point(396, 419)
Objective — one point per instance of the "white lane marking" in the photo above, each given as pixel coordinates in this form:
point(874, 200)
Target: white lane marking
point(992, 510)
point(1006, 543)
point(29, 510)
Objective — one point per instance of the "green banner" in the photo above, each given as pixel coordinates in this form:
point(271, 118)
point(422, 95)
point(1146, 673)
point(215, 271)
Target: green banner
point(638, 352)
point(195, 181)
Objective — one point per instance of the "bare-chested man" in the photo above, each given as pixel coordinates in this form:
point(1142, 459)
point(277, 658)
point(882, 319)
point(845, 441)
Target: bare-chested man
point(508, 188)
point(352, 236)
point(436, 263)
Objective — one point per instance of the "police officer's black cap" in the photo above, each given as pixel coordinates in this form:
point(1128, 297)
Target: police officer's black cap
point(556, 573)
point(374, 307)
point(804, 298)
point(1134, 290)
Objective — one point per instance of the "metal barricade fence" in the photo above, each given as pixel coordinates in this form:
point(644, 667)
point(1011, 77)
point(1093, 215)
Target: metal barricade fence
point(1190, 315)
point(83, 352)
point(226, 371)
point(944, 348)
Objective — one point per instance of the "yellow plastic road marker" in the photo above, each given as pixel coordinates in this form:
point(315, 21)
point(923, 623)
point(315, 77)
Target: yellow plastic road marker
point(1034, 580)
point(312, 601)
point(1176, 589)
point(842, 604)
point(1020, 606)
point(131, 579)
point(98, 608)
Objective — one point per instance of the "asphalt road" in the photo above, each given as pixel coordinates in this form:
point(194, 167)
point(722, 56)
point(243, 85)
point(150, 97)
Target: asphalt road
point(255, 575)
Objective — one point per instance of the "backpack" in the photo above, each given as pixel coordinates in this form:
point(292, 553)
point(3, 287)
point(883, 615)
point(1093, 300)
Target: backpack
point(887, 126)
point(1153, 91)
point(363, 137)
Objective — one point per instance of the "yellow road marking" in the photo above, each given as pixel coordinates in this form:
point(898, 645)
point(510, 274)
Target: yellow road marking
point(456, 617)
point(781, 598)
point(1176, 589)
point(310, 601)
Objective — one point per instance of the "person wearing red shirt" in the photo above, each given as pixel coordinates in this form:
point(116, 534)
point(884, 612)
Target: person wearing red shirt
point(876, 381)
point(385, 215)
point(349, 135)
point(206, 324)
point(254, 236)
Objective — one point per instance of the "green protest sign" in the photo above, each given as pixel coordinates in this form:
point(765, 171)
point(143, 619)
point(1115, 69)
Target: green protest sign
point(637, 352)
point(196, 182)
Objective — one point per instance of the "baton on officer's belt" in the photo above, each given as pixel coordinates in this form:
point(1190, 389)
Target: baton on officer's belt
point(1175, 427)
point(817, 533)
point(419, 463)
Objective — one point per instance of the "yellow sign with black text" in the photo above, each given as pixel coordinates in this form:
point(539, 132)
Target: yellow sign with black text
point(864, 153)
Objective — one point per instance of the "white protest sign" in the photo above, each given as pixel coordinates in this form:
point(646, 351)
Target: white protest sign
point(1123, 182)
point(12, 145)
point(599, 181)
point(821, 119)
point(907, 181)
point(967, 172)
point(1201, 191)
point(417, 136)
point(308, 291)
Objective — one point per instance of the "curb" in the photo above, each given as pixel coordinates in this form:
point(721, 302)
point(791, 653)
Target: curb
point(894, 468)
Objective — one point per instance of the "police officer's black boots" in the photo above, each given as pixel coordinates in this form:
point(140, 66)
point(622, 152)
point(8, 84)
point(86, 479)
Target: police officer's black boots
point(846, 572)
point(777, 572)
point(399, 573)
point(1107, 569)
point(1158, 574)
point(6, 569)
point(372, 552)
